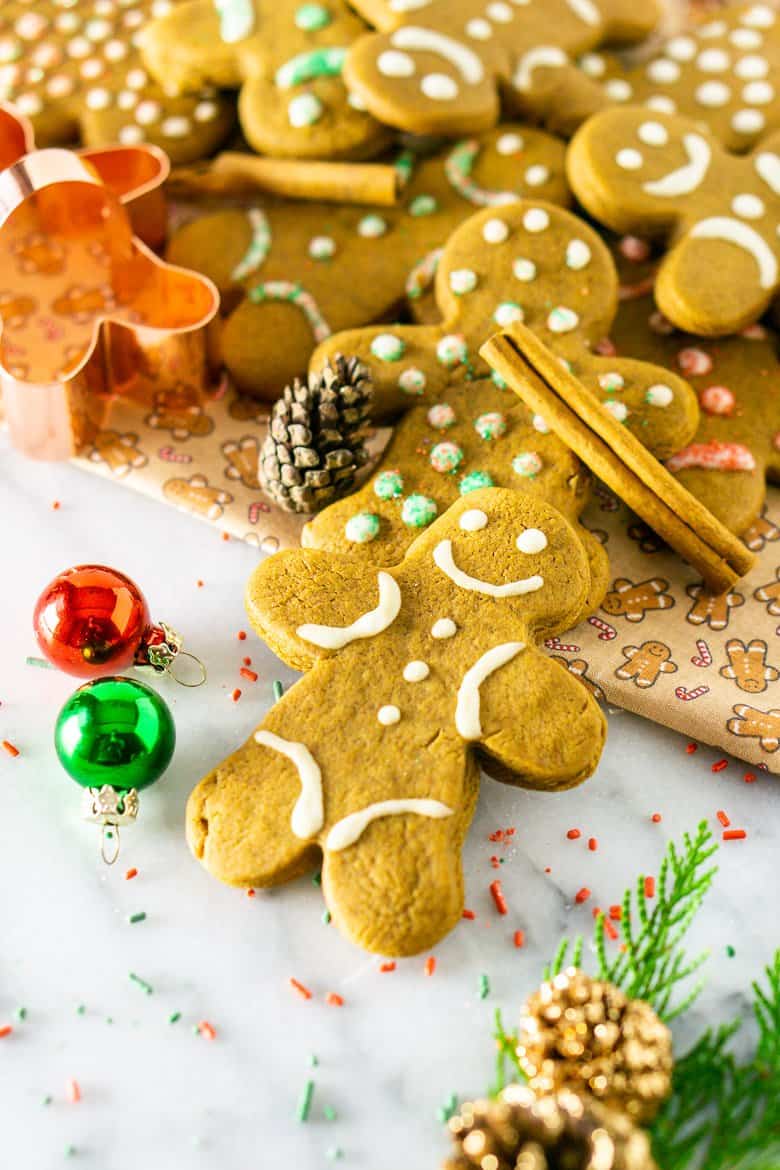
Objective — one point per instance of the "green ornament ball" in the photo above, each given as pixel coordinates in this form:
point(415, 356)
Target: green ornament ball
point(115, 731)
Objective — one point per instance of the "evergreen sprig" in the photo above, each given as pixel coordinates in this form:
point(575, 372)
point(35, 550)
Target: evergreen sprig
point(653, 961)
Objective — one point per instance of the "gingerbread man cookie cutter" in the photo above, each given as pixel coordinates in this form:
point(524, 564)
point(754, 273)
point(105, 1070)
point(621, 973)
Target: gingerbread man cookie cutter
point(436, 66)
point(660, 174)
point(94, 312)
point(383, 785)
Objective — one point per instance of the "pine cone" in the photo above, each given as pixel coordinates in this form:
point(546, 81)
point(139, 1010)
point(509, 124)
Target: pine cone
point(562, 1131)
point(316, 437)
point(581, 1034)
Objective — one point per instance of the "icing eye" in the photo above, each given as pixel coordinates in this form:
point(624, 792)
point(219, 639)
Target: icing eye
point(748, 206)
point(510, 144)
point(393, 63)
point(494, 231)
point(473, 520)
point(653, 134)
point(532, 540)
point(439, 87)
point(628, 159)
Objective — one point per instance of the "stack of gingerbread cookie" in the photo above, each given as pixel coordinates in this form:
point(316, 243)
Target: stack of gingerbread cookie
point(510, 353)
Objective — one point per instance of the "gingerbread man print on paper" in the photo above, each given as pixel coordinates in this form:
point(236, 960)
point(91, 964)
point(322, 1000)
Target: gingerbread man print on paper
point(747, 665)
point(645, 664)
point(711, 609)
point(634, 601)
point(754, 724)
point(432, 670)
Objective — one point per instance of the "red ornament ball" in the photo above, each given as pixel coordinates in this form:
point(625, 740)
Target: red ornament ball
point(89, 621)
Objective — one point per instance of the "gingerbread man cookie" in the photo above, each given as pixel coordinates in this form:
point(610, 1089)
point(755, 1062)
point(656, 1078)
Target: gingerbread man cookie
point(73, 68)
point(662, 175)
point(286, 56)
point(747, 665)
point(436, 66)
point(475, 435)
point(645, 664)
point(301, 271)
point(532, 263)
point(431, 669)
point(724, 74)
point(634, 601)
point(737, 380)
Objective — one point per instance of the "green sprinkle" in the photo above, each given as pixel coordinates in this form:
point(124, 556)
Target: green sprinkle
point(81, 1010)
point(145, 987)
point(278, 690)
point(329, 1113)
point(326, 917)
point(32, 661)
point(47, 1100)
point(109, 1019)
point(21, 1013)
point(70, 1151)
point(730, 951)
point(313, 1061)
point(304, 1104)
point(333, 1153)
point(448, 1109)
point(139, 917)
point(316, 878)
point(484, 986)
point(174, 1017)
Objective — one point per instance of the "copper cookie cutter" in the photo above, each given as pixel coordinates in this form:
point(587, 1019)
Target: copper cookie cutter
point(87, 311)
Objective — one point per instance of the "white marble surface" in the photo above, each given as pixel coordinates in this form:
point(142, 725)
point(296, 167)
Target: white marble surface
point(155, 1094)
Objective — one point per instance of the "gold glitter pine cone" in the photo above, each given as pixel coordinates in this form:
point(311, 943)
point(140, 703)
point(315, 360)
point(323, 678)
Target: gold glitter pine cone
point(586, 1035)
point(559, 1131)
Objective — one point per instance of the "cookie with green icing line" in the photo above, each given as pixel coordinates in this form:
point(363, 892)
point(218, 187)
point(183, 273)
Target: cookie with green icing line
point(475, 435)
point(526, 262)
point(432, 669)
point(285, 57)
point(736, 447)
point(439, 66)
point(300, 271)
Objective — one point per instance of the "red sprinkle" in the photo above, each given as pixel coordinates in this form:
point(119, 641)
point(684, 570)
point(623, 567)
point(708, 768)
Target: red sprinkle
point(334, 999)
point(6, 1030)
point(236, 695)
point(609, 930)
point(247, 661)
point(207, 1030)
point(582, 895)
point(649, 887)
point(430, 965)
point(9, 747)
point(245, 672)
point(691, 748)
point(616, 913)
point(592, 844)
point(241, 635)
point(656, 818)
point(749, 777)
point(74, 1092)
point(199, 583)
point(574, 834)
point(734, 834)
point(385, 967)
point(469, 914)
point(250, 893)
point(131, 873)
point(226, 536)
point(519, 938)
point(497, 895)
point(719, 765)
point(55, 505)
point(303, 991)
point(723, 818)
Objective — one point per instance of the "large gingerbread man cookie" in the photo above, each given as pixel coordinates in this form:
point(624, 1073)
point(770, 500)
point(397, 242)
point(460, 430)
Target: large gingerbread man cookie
point(437, 66)
point(300, 271)
point(737, 380)
point(533, 263)
point(662, 175)
point(723, 74)
point(286, 56)
point(430, 669)
point(74, 69)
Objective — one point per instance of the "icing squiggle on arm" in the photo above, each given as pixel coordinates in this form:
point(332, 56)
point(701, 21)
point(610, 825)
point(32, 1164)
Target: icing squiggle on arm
point(366, 626)
point(236, 19)
point(467, 719)
point(347, 831)
point(733, 231)
point(586, 10)
point(442, 556)
point(686, 178)
point(307, 815)
point(768, 167)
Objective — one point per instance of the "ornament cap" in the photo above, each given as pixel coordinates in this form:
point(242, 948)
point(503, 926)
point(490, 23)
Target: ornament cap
point(109, 807)
point(161, 648)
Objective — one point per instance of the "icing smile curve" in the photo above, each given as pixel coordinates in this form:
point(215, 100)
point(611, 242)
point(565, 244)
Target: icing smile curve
point(444, 560)
point(688, 177)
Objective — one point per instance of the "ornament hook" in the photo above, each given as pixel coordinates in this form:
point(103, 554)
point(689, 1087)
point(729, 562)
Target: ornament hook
point(201, 667)
point(110, 844)
point(161, 648)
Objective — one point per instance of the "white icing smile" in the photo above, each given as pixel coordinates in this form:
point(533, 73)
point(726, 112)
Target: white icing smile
point(443, 559)
point(366, 626)
point(549, 55)
point(347, 831)
point(686, 178)
point(307, 815)
point(426, 40)
point(733, 231)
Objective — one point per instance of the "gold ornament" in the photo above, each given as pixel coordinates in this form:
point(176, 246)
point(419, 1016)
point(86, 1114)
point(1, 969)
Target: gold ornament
point(585, 1035)
point(560, 1131)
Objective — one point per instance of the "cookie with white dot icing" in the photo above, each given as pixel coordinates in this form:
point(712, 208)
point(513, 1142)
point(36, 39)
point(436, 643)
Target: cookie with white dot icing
point(663, 175)
point(531, 263)
point(301, 271)
point(436, 66)
point(285, 57)
point(723, 73)
point(75, 70)
point(737, 380)
point(432, 668)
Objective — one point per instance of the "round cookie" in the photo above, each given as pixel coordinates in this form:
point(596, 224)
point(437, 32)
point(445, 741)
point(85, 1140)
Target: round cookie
point(75, 71)
point(435, 664)
point(301, 271)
